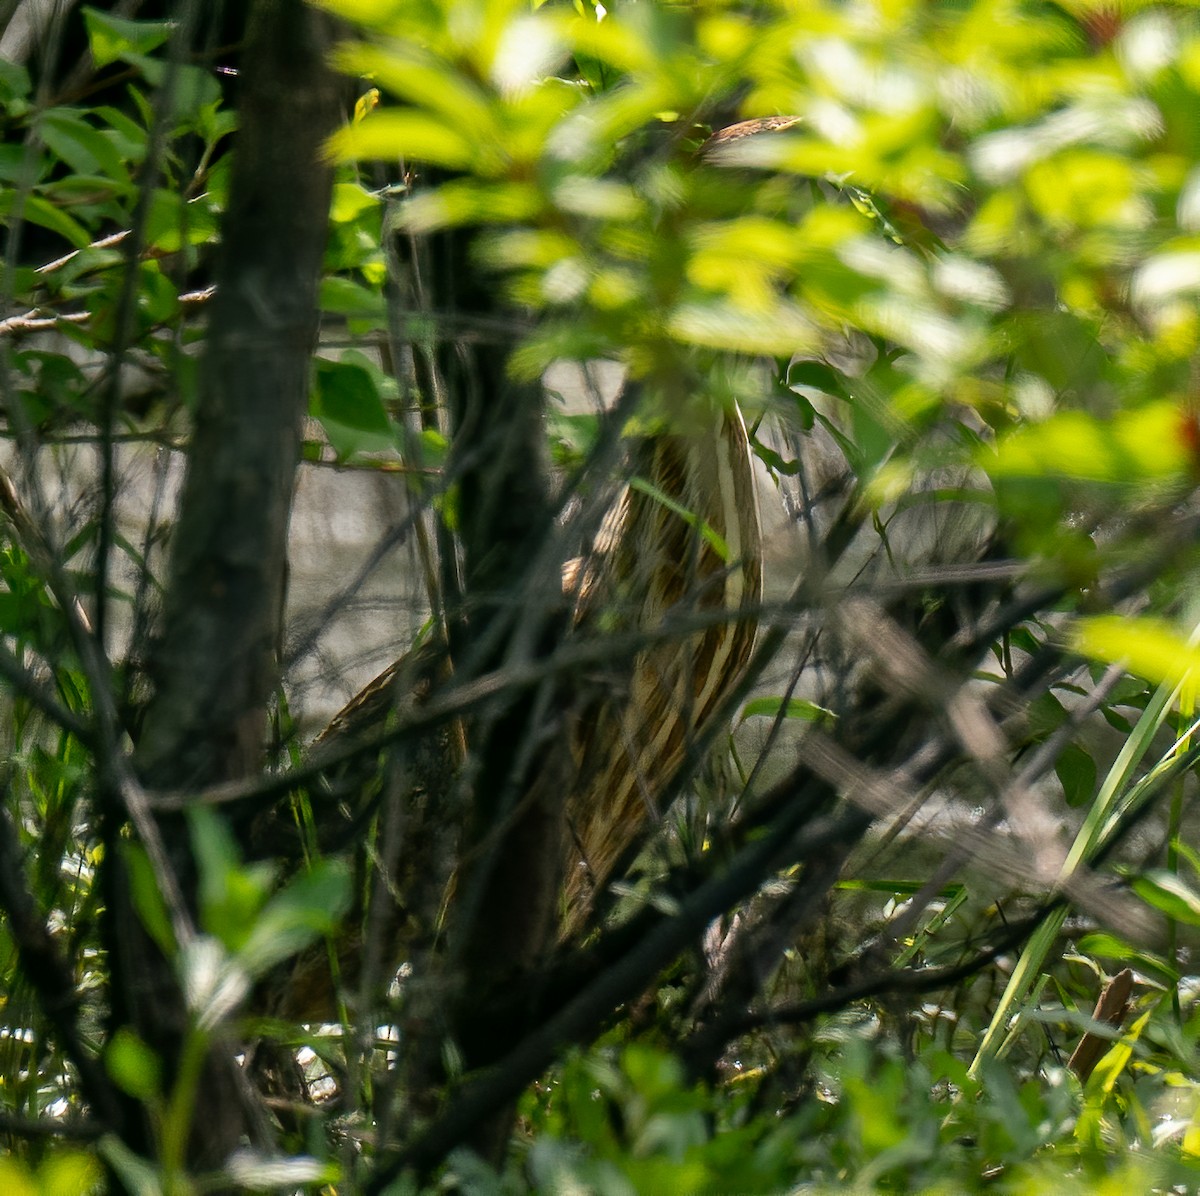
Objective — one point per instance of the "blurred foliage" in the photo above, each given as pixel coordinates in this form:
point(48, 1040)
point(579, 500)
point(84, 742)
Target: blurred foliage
point(624, 1121)
point(973, 262)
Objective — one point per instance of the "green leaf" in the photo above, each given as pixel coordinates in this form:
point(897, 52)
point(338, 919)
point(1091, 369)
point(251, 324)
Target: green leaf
point(1150, 647)
point(1168, 893)
point(435, 448)
point(148, 899)
point(1188, 853)
point(16, 1178)
point(1076, 771)
point(69, 1174)
point(470, 201)
point(37, 211)
point(22, 165)
point(800, 708)
point(111, 38)
point(1118, 722)
point(128, 136)
point(572, 435)
point(803, 373)
point(133, 1172)
point(15, 85)
point(252, 1171)
point(343, 296)
point(350, 201)
point(1045, 715)
point(157, 298)
point(231, 894)
point(782, 327)
point(309, 907)
point(85, 149)
point(216, 851)
point(902, 888)
point(192, 89)
point(774, 461)
point(1108, 946)
point(711, 536)
point(350, 408)
point(134, 1067)
point(90, 198)
point(1148, 444)
point(172, 222)
point(404, 134)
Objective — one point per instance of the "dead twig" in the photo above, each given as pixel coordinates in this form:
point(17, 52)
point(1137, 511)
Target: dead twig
point(1110, 1010)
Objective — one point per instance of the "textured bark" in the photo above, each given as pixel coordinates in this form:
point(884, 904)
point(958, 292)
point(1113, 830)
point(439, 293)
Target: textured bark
point(215, 664)
point(515, 842)
point(511, 609)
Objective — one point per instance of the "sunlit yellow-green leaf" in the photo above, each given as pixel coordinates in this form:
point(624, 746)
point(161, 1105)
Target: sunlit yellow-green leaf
point(406, 134)
point(725, 35)
point(1135, 447)
point(364, 12)
point(110, 36)
point(16, 1179)
point(1152, 648)
point(754, 236)
point(1191, 1137)
point(615, 43)
point(528, 248)
point(784, 328)
point(613, 287)
point(753, 242)
point(70, 1174)
point(366, 103)
point(1085, 187)
point(350, 200)
point(467, 202)
point(420, 79)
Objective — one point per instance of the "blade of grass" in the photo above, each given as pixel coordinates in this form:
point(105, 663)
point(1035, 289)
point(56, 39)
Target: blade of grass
point(1112, 799)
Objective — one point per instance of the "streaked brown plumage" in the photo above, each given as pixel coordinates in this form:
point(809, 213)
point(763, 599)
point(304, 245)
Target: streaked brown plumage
point(684, 540)
point(664, 567)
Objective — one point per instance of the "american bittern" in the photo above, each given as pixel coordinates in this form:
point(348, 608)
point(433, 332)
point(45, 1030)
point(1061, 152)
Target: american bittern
point(683, 543)
point(687, 541)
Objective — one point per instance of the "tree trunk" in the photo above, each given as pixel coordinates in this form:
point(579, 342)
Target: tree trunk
point(215, 666)
point(512, 610)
